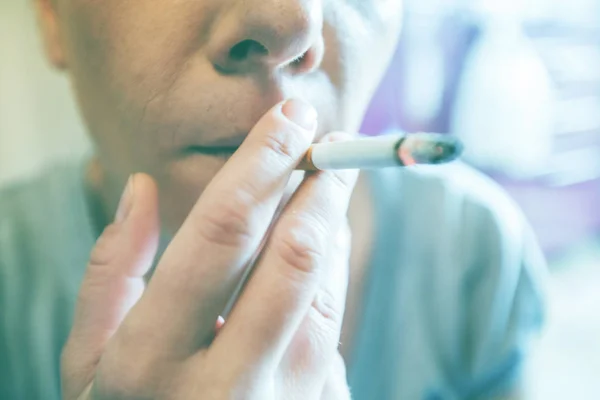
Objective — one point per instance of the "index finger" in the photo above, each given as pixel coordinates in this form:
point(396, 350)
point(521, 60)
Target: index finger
point(284, 285)
point(204, 262)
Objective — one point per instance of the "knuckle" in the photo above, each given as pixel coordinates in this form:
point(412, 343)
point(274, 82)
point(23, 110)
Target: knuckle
point(231, 223)
point(318, 339)
point(302, 246)
point(282, 145)
point(326, 312)
point(97, 279)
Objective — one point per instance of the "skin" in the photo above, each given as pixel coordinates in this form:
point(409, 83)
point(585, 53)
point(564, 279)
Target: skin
point(280, 340)
point(158, 80)
point(154, 78)
point(145, 101)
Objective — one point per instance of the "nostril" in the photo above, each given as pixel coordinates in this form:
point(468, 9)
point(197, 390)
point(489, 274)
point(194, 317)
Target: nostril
point(246, 49)
point(306, 62)
point(298, 61)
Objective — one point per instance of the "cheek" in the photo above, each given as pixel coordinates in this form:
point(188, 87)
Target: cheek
point(122, 55)
point(129, 51)
point(125, 41)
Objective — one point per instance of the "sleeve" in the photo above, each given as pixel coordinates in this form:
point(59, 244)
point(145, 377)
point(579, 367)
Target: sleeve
point(503, 299)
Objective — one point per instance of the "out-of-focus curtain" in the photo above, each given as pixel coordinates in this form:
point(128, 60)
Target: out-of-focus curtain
point(38, 119)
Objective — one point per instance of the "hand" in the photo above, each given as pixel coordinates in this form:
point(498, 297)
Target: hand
point(280, 341)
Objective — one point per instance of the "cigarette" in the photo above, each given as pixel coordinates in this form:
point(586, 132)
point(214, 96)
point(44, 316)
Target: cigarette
point(382, 152)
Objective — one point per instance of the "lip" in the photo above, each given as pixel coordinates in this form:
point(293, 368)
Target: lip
point(217, 151)
point(223, 147)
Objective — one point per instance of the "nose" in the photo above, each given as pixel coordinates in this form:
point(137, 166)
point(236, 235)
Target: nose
point(256, 35)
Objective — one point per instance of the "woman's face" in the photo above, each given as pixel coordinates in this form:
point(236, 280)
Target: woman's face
point(170, 87)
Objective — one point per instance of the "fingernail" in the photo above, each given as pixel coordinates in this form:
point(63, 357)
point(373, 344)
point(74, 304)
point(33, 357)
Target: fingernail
point(126, 202)
point(300, 113)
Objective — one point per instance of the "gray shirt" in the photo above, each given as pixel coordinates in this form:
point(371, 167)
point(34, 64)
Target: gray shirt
point(453, 294)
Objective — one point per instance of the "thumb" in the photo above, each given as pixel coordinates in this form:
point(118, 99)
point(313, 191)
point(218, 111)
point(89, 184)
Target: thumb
point(113, 282)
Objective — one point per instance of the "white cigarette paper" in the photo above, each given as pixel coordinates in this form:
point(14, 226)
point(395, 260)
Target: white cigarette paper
point(375, 152)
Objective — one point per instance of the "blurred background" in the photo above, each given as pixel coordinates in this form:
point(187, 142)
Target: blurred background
point(517, 80)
